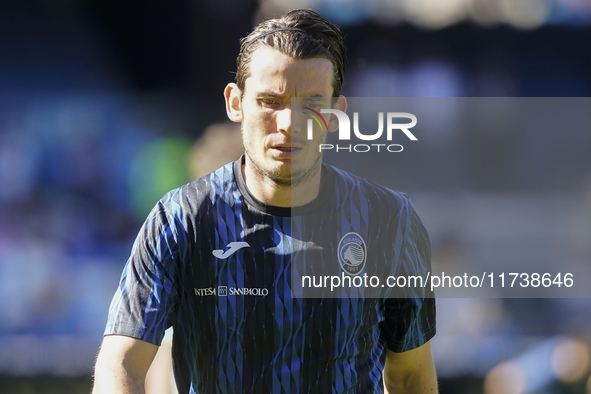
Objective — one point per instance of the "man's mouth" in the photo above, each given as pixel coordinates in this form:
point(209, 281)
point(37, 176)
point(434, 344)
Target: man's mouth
point(286, 150)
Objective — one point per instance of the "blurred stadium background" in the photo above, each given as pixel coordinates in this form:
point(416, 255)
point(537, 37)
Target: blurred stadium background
point(102, 104)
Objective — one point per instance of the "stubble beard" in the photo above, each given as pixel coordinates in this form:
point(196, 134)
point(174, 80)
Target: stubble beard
point(292, 179)
point(277, 176)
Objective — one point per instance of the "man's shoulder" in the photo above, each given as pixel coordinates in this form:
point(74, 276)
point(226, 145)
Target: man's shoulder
point(348, 182)
point(210, 187)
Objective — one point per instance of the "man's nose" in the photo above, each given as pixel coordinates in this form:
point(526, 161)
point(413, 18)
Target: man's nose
point(287, 121)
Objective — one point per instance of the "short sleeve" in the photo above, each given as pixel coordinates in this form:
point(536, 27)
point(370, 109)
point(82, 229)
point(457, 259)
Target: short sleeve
point(410, 322)
point(144, 303)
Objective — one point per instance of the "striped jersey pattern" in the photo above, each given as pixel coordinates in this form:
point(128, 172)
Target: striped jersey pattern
point(237, 326)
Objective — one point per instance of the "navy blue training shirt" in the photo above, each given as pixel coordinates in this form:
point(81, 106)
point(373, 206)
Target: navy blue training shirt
point(216, 264)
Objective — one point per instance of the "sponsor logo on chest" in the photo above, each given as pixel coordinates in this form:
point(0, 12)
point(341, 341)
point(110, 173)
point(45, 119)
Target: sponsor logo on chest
point(225, 291)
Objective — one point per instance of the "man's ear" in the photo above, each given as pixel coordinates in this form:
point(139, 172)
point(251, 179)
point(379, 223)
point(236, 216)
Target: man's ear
point(233, 96)
point(341, 105)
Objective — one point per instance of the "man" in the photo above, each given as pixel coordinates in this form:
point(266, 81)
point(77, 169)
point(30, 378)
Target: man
point(214, 257)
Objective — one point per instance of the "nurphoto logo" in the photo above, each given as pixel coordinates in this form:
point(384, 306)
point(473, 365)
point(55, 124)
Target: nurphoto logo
point(345, 130)
point(317, 117)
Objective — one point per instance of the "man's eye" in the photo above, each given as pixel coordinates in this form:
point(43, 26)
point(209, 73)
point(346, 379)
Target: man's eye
point(317, 105)
point(267, 101)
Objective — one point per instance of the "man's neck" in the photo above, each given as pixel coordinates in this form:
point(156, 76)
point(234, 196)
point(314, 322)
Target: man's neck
point(271, 193)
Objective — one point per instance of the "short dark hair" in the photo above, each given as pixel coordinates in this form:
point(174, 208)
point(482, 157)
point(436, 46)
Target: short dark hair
point(319, 39)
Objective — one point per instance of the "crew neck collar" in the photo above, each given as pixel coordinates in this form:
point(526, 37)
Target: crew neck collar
point(324, 194)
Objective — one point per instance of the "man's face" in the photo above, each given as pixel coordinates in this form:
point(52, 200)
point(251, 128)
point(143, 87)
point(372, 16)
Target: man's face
point(275, 142)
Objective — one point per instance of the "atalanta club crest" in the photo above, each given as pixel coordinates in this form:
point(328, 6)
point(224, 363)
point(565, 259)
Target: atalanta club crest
point(352, 253)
